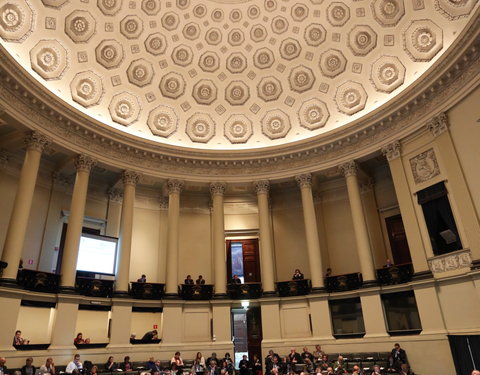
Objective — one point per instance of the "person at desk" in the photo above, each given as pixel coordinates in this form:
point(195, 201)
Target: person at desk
point(75, 366)
point(150, 335)
point(142, 279)
point(236, 280)
point(189, 280)
point(79, 340)
point(200, 280)
point(18, 340)
point(29, 368)
point(388, 264)
point(48, 368)
point(297, 275)
point(126, 365)
point(111, 365)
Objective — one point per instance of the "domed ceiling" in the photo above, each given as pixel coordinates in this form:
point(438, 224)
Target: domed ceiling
point(229, 74)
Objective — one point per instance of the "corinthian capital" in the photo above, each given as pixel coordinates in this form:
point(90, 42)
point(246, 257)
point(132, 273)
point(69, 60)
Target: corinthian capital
point(175, 186)
point(84, 163)
point(115, 195)
point(392, 150)
point(36, 141)
point(130, 177)
point(438, 124)
point(349, 168)
point(304, 180)
point(217, 188)
point(262, 186)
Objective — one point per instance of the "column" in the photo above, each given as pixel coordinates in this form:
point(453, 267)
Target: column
point(174, 189)
point(130, 180)
point(83, 164)
point(217, 189)
point(121, 324)
point(17, 227)
point(115, 198)
point(406, 204)
point(349, 170)
point(304, 181)
point(66, 314)
point(262, 188)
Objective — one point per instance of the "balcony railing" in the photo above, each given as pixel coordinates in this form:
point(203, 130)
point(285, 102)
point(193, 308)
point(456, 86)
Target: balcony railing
point(196, 292)
point(245, 291)
point(396, 274)
point(38, 281)
point(94, 287)
point(294, 288)
point(341, 283)
point(146, 290)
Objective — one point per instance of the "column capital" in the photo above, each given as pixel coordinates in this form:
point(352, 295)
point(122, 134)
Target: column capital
point(304, 180)
point(217, 188)
point(84, 163)
point(36, 141)
point(438, 124)
point(392, 150)
point(262, 186)
point(115, 195)
point(163, 203)
point(130, 177)
point(349, 168)
point(175, 186)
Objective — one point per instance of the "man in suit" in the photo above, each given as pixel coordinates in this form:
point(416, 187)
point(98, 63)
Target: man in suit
point(236, 280)
point(200, 280)
point(244, 365)
point(397, 357)
point(294, 357)
point(3, 368)
point(189, 280)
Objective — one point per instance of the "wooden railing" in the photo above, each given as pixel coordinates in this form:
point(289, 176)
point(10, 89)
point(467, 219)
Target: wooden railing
point(245, 291)
point(146, 290)
point(38, 281)
point(196, 292)
point(341, 283)
point(94, 287)
point(396, 274)
point(294, 288)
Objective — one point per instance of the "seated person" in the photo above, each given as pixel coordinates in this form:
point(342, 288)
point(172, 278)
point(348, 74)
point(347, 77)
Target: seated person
point(126, 365)
point(189, 280)
point(236, 280)
point(150, 335)
point(18, 340)
point(177, 359)
point(150, 365)
point(376, 370)
point(356, 370)
point(93, 370)
point(29, 368)
point(397, 357)
point(174, 370)
point(388, 264)
point(142, 279)
point(339, 364)
point(200, 280)
point(405, 369)
point(157, 368)
point(80, 340)
point(294, 357)
point(110, 365)
point(48, 368)
point(306, 354)
point(212, 368)
point(297, 275)
point(330, 371)
point(198, 363)
point(75, 366)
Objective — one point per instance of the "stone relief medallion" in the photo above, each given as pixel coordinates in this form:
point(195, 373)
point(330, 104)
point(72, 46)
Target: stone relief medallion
point(16, 20)
point(422, 40)
point(140, 72)
point(236, 37)
point(238, 129)
point(237, 93)
point(191, 31)
point(290, 49)
point(209, 62)
point(387, 74)
point(258, 33)
point(162, 121)
point(131, 27)
point(315, 34)
point(156, 44)
point(313, 114)
point(124, 108)
point(213, 36)
point(279, 25)
point(269, 88)
point(263, 58)
point(109, 7)
point(204, 92)
point(361, 40)
point(54, 3)
point(49, 59)
point(388, 12)
point(87, 88)
point(170, 21)
point(200, 127)
point(217, 15)
point(270, 5)
point(424, 166)
point(455, 9)
point(332, 63)
point(172, 85)
point(200, 11)
point(338, 13)
point(151, 7)
point(299, 12)
point(350, 97)
point(183, 4)
point(236, 63)
point(301, 79)
point(109, 53)
point(253, 12)
point(80, 26)
point(276, 124)
point(235, 15)
point(182, 55)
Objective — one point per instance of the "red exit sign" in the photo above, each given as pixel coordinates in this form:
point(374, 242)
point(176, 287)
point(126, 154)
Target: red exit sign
point(155, 326)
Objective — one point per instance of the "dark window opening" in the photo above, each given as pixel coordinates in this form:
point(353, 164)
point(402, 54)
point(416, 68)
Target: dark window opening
point(401, 313)
point(347, 318)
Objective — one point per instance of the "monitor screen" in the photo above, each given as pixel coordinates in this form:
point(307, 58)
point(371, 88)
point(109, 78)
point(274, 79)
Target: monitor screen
point(97, 254)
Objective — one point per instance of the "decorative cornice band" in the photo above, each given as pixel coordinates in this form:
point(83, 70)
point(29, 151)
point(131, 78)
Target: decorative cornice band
point(392, 151)
point(84, 163)
point(304, 180)
point(438, 124)
point(217, 188)
point(175, 186)
point(349, 168)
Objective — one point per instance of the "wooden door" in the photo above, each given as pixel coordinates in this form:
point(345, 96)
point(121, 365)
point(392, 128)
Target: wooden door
point(254, 331)
point(398, 240)
point(250, 257)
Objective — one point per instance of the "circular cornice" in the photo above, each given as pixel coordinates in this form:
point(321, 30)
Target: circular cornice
point(454, 75)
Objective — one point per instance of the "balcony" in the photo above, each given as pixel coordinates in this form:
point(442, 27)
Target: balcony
point(294, 288)
point(94, 287)
point(38, 281)
point(245, 291)
point(341, 283)
point(196, 292)
point(396, 274)
point(147, 290)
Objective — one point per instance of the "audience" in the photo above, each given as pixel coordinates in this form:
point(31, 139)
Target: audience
point(257, 365)
point(93, 370)
point(48, 368)
point(388, 264)
point(126, 365)
point(236, 280)
point(3, 368)
point(150, 335)
point(306, 355)
point(200, 280)
point(397, 358)
point(213, 358)
point(18, 340)
point(189, 280)
point(177, 360)
point(80, 340)
point(110, 365)
point(142, 279)
point(75, 366)
point(294, 357)
point(199, 363)
point(297, 275)
point(29, 368)
point(244, 365)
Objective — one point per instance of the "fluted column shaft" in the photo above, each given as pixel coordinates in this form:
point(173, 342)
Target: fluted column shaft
point(17, 227)
point(130, 180)
point(359, 224)
point(268, 283)
point(83, 164)
point(174, 189)
point(311, 232)
point(217, 190)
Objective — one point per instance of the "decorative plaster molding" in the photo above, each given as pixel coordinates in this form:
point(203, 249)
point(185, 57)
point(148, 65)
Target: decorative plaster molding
point(175, 186)
point(163, 203)
point(84, 163)
point(457, 260)
point(424, 166)
point(217, 188)
point(36, 141)
point(262, 186)
point(392, 151)
point(130, 177)
point(115, 195)
point(438, 124)
point(350, 168)
point(304, 180)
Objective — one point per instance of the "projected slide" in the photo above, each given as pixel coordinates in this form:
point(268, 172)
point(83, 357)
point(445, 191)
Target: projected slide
point(97, 254)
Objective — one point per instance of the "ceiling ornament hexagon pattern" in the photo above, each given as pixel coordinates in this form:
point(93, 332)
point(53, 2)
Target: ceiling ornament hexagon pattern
point(229, 74)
